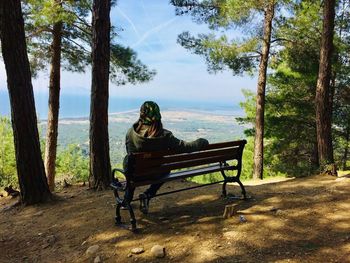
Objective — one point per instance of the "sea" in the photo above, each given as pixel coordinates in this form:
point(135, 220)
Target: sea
point(78, 105)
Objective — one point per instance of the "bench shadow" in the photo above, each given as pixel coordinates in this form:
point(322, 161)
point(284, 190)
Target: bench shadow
point(281, 224)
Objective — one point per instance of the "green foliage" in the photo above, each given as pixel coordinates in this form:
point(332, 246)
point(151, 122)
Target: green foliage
point(126, 68)
point(8, 172)
point(290, 128)
point(73, 162)
point(240, 55)
point(41, 15)
point(220, 53)
point(247, 167)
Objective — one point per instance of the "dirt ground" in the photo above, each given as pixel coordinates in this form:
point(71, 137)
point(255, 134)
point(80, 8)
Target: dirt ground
point(297, 220)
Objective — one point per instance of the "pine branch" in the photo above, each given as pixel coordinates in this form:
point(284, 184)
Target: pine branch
point(77, 44)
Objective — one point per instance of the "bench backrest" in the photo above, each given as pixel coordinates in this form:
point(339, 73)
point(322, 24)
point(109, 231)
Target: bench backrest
point(146, 165)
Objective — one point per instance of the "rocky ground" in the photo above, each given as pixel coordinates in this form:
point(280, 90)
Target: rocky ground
point(297, 220)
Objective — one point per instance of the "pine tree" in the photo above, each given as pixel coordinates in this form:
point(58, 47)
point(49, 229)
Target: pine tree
point(237, 55)
point(30, 167)
point(100, 167)
point(323, 90)
point(65, 25)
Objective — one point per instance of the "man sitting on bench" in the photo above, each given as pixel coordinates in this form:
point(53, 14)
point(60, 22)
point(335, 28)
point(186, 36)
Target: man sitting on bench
point(147, 135)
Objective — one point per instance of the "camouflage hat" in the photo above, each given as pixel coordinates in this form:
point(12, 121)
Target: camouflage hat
point(149, 113)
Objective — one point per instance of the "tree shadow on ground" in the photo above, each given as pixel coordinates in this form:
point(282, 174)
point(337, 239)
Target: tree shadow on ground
point(301, 220)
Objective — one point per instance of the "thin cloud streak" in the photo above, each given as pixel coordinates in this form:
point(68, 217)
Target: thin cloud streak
point(133, 26)
point(154, 30)
point(121, 12)
point(151, 22)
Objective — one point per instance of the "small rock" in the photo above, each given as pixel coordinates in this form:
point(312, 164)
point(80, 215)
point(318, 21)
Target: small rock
point(177, 233)
point(137, 250)
point(45, 245)
point(92, 250)
point(97, 259)
point(129, 255)
point(40, 213)
point(83, 244)
point(113, 240)
point(339, 179)
point(273, 209)
point(163, 218)
point(279, 212)
point(51, 239)
point(158, 251)
point(242, 219)
point(230, 234)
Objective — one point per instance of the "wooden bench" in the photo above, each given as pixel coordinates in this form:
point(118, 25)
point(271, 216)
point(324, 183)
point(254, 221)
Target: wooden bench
point(156, 167)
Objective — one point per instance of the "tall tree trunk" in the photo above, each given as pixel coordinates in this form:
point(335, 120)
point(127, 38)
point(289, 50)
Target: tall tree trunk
point(346, 149)
point(30, 166)
point(314, 156)
point(100, 167)
point(260, 97)
point(323, 90)
point(54, 105)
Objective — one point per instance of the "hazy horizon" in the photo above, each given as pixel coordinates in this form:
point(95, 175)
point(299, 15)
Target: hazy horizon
point(78, 105)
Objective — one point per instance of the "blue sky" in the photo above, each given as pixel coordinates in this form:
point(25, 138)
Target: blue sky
point(151, 29)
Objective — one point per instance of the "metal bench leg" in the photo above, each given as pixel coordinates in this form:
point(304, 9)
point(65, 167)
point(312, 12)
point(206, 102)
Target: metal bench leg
point(132, 216)
point(118, 206)
point(129, 194)
point(118, 219)
point(224, 192)
point(243, 189)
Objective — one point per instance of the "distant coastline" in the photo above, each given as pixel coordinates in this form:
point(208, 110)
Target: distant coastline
point(77, 107)
point(168, 116)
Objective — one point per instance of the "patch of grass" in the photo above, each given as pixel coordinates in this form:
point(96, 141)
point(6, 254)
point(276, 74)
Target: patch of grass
point(342, 173)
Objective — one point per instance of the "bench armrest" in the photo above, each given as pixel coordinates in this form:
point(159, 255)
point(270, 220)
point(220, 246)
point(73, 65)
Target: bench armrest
point(115, 184)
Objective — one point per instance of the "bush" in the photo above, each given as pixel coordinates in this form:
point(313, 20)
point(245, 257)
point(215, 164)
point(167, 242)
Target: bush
point(73, 162)
point(8, 170)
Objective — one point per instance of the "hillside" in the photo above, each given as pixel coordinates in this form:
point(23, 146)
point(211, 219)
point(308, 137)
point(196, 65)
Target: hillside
point(297, 220)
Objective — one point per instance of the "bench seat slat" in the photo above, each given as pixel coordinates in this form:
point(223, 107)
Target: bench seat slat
point(139, 181)
point(165, 168)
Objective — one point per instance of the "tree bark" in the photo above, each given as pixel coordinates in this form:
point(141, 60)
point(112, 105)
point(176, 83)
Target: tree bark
point(30, 167)
point(54, 105)
point(100, 167)
point(260, 97)
point(314, 156)
point(346, 149)
point(323, 89)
